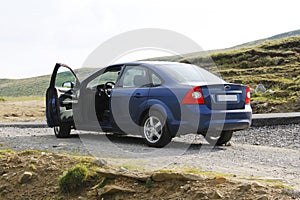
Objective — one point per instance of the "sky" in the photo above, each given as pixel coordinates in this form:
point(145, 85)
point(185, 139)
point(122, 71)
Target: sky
point(36, 34)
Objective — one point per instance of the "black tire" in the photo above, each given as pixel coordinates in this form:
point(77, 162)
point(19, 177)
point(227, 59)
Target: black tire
point(154, 130)
point(62, 131)
point(222, 139)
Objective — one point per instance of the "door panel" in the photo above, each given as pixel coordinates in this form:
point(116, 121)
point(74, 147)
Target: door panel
point(129, 98)
point(61, 95)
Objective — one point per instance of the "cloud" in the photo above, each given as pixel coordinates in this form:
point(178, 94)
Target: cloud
point(35, 34)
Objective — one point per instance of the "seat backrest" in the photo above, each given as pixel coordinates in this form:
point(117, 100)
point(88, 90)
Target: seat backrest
point(139, 80)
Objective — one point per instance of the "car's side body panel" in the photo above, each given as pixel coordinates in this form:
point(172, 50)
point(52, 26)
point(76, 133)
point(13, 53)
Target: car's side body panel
point(135, 94)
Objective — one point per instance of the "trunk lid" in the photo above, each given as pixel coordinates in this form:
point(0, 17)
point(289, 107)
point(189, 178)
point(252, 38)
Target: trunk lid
point(224, 96)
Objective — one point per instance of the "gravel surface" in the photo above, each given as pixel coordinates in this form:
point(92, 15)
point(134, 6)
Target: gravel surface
point(271, 152)
point(287, 136)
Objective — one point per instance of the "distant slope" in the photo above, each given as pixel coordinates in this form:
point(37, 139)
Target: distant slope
point(176, 58)
point(33, 86)
point(275, 63)
point(275, 37)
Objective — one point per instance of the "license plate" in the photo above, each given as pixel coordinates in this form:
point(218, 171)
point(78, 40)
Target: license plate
point(227, 98)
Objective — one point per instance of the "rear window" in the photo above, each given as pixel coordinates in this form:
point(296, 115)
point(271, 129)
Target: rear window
point(191, 74)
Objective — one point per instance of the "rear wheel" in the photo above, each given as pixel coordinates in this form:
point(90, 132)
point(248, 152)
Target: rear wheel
point(62, 131)
point(155, 130)
point(219, 140)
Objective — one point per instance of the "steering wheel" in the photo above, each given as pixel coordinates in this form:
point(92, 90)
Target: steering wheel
point(108, 86)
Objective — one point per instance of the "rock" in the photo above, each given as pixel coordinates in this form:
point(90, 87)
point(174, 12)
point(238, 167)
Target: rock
point(100, 162)
point(257, 185)
point(106, 173)
point(245, 187)
point(165, 176)
point(260, 88)
point(2, 188)
point(25, 177)
point(186, 187)
point(217, 195)
point(175, 195)
point(33, 160)
point(113, 189)
point(220, 179)
point(261, 192)
point(122, 169)
point(201, 195)
point(264, 197)
point(112, 174)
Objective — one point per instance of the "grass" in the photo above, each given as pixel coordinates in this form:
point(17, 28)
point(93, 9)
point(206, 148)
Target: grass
point(23, 98)
point(73, 179)
point(129, 167)
point(32, 167)
point(273, 63)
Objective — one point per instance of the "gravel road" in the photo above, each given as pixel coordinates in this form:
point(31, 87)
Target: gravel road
point(271, 152)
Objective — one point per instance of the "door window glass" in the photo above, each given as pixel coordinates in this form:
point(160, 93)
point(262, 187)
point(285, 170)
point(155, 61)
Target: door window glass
point(134, 76)
point(109, 76)
point(64, 75)
point(156, 81)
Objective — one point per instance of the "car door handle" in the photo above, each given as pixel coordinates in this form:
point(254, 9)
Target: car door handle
point(138, 95)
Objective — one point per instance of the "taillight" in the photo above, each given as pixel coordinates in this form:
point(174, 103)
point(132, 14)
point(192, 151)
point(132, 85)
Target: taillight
point(248, 95)
point(194, 96)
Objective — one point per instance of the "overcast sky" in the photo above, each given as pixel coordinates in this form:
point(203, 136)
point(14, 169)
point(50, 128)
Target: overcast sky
point(36, 34)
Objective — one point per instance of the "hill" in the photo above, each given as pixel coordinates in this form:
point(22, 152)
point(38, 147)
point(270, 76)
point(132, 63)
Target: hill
point(33, 86)
point(275, 37)
point(272, 62)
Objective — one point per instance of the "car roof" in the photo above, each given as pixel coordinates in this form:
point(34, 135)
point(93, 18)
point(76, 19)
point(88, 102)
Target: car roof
point(148, 63)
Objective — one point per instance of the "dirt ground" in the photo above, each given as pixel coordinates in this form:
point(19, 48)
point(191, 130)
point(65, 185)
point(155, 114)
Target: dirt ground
point(22, 111)
point(34, 175)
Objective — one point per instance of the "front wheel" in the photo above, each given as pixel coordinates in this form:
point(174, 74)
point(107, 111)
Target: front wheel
point(62, 131)
point(224, 137)
point(155, 130)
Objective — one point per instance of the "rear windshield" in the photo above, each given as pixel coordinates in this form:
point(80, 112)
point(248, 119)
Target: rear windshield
point(191, 74)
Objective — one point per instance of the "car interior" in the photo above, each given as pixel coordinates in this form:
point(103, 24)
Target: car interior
point(104, 83)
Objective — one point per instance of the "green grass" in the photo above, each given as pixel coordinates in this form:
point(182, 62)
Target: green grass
point(272, 62)
point(73, 179)
point(37, 86)
point(275, 64)
point(24, 98)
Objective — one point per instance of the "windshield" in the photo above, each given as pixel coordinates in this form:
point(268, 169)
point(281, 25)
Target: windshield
point(191, 74)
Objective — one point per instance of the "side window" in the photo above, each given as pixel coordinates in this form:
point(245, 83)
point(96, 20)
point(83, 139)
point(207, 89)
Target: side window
point(134, 76)
point(108, 76)
point(156, 81)
point(64, 75)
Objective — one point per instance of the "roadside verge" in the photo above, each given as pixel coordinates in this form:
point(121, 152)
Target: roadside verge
point(258, 120)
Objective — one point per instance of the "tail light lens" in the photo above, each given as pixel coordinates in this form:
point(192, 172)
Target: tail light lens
point(248, 95)
point(194, 96)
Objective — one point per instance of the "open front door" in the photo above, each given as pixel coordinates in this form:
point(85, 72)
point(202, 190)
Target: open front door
point(60, 97)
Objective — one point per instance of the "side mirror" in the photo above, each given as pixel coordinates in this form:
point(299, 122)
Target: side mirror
point(68, 84)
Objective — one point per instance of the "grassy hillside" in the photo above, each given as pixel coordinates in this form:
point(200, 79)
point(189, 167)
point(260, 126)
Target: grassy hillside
point(275, 37)
point(33, 86)
point(273, 63)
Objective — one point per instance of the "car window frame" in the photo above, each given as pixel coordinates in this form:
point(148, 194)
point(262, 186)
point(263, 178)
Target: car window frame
point(99, 73)
point(118, 83)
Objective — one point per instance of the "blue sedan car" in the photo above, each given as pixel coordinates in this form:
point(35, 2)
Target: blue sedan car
point(157, 100)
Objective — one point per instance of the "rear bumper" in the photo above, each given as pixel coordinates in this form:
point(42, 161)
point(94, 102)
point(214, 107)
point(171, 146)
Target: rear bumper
point(200, 119)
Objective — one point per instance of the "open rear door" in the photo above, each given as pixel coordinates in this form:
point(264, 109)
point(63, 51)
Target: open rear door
point(61, 96)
